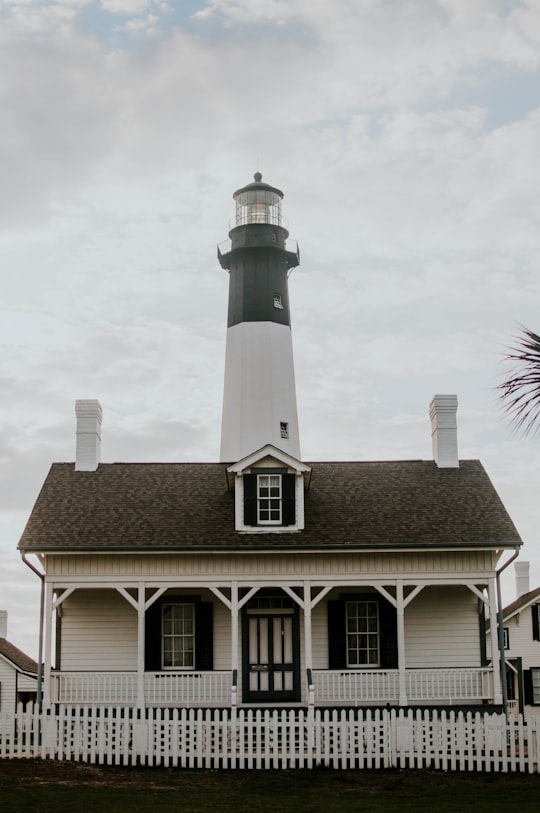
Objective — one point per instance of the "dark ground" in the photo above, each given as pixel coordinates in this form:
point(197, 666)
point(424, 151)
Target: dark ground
point(65, 787)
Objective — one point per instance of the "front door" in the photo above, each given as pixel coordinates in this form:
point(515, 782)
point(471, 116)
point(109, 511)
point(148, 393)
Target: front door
point(271, 651)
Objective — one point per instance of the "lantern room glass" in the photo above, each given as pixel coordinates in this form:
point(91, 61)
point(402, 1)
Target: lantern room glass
point(258, 206)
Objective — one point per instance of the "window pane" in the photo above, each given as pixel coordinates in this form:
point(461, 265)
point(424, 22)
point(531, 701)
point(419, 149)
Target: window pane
point(536, 684)
point(178, 636)
point(362, 633)
point(269, 499)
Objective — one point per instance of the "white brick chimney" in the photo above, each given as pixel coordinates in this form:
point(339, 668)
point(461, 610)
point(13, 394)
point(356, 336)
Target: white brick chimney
point(3, 623)
point(521, 570)
point(88, 447)
point(442, 411)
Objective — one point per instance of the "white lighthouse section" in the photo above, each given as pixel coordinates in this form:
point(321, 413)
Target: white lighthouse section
point(259, 399)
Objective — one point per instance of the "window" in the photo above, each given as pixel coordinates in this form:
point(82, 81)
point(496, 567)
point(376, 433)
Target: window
point(269, 499)
point(278, 302)
point(284, 429)
point(536, 621)
point(178, 636)
point(362, 632)
point(506, 638)
point(535, 673)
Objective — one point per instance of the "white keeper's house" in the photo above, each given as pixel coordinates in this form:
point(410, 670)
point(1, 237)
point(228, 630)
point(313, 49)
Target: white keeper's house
point(265, 579)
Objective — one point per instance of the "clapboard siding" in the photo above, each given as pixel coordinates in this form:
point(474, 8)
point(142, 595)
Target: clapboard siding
point(222, 636)
point(442, 629)
point(306, 565)
point(7, 686)
point(99, 632)
point(521, 639)
point(319, 633)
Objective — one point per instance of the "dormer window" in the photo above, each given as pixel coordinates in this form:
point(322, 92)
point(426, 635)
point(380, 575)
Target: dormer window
point(269, 491)
point(269, 500)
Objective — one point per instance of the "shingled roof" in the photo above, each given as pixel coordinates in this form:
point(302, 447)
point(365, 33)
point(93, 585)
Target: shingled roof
point(521, 603)
point(17, 657)
point(187, 506)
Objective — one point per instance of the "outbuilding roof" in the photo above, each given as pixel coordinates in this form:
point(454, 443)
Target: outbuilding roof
point(188, 506)
point(17, 657)
point(532, 597)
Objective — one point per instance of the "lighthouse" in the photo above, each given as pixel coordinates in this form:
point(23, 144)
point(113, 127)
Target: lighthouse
point(259, 397)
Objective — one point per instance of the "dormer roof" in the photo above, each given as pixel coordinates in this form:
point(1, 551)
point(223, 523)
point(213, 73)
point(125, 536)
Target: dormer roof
point(265, 452)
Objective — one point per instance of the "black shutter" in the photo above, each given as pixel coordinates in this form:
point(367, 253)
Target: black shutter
point(336, 635)
point(250, 499)
point(152, 638)
point(536, 621)
point(289, 499)
point(528, 687)
point(204, 636)
point(388, 635)
point(483, 638)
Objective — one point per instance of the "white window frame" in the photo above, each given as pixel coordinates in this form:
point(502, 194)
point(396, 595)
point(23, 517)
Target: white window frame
point(354, 634)
point(268, 505)
point(179, 638)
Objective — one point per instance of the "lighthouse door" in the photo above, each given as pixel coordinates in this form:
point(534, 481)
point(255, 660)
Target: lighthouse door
point(271, 648)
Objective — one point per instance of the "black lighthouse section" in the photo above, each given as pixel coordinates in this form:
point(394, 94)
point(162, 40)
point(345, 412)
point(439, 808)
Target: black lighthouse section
point(258, 260)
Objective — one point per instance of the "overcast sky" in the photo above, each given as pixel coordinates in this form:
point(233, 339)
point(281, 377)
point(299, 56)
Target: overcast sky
point(405, 135)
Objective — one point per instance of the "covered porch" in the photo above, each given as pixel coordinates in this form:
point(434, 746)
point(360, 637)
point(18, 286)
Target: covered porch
point(271, 648)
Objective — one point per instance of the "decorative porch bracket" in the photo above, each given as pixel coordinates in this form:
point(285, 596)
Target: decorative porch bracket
point(141, 605)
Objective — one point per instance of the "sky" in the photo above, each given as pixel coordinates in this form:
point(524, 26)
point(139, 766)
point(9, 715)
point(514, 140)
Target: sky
point(405, 135)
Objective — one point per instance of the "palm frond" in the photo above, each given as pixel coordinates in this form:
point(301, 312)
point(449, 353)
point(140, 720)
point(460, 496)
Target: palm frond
point(520, 392)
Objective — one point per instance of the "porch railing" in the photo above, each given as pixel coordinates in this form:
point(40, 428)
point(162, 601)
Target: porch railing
point(356, 686)
point(160, 688)
point(449, 684)
point(422, 686)
point(329, 687)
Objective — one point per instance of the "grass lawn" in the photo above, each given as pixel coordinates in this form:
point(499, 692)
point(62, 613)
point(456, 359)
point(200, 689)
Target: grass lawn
point(57, 787)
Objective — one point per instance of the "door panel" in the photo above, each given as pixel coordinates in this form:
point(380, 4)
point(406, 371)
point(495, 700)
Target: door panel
point(271, 657)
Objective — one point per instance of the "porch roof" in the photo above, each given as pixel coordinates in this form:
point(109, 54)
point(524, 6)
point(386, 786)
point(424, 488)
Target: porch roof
point(187, 506)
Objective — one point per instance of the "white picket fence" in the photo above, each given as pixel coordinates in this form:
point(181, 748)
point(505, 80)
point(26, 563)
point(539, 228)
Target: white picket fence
point(272, 738)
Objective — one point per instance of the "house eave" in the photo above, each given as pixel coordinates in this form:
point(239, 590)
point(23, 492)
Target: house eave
point(258, 547)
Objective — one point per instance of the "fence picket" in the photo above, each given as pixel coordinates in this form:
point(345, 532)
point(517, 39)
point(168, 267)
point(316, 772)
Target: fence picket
point(271, 738)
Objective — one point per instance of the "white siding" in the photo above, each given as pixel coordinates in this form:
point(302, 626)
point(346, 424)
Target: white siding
point(442, 629)
point(201, 567)
point(222, 636)
point(521, 640)
point(99, 632)
point(7, 685)
point(319, 635)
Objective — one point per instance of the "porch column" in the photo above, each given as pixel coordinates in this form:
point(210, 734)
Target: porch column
point(48, 645)
point(308, 645)
point(234, 643)
point(140, 645)
point(402, 673)
point(495, 655)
